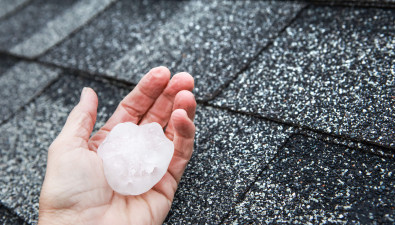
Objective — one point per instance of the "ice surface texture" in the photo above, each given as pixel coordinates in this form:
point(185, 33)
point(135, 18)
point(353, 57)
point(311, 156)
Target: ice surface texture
point(135, 158)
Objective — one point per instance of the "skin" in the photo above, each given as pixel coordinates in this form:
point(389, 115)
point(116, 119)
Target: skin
point(75, 190)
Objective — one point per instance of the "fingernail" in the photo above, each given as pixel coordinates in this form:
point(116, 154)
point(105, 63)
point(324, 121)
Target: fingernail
point(83, 93)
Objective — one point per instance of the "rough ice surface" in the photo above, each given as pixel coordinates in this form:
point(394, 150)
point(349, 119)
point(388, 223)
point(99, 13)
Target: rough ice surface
point(135, 158)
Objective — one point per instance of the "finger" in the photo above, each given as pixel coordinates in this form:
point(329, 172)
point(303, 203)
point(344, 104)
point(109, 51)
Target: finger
point(136, 103)
point(80, 122)
point(162, 108)
point(184, 130)
point(183, 100)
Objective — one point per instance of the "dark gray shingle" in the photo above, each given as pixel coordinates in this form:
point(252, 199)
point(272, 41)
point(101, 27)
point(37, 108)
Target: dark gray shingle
point(230, 151)
point(21, 83)
point(314, 182)
point(8, 6)
point(332, 70)
point(43, 24)
point(7, 217)
point(212, 40)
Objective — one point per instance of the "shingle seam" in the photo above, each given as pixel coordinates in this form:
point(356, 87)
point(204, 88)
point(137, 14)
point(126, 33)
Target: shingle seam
point(353, 4)
point(32, 99)
point(298, 126)
point(13, 213)
point(222, 87)
point(71, 34)
point(15, 10)
point(56, 30)
point(77, 72)
point(124, 83)
point(243, 196)
point(128, 83)
point(387, 153)
point(297, 132)
point(87, 74)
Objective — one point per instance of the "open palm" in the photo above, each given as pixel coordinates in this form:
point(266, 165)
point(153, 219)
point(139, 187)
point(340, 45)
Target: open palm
point(75, 190)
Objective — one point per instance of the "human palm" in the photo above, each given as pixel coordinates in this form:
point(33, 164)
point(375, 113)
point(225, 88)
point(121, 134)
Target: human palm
point(75, 190)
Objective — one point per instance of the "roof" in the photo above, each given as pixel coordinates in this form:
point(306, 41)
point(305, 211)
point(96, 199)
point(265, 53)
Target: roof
point(296, 100)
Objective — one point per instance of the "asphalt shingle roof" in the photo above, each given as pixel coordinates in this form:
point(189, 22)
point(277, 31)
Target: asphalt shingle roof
point(14, 89)
point(295, 100)
point(213, 40)
point(314, 181)
point(331, 70)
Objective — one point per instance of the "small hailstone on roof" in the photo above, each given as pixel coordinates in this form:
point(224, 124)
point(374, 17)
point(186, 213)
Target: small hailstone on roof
point(135, 158)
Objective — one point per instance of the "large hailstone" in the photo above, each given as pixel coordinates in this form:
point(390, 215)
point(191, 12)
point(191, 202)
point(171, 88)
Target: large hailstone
point(135, 158)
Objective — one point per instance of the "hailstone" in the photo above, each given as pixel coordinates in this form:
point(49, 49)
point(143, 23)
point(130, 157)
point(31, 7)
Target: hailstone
point(135, 158)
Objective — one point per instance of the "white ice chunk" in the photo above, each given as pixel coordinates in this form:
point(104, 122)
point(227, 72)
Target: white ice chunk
point(135, 158)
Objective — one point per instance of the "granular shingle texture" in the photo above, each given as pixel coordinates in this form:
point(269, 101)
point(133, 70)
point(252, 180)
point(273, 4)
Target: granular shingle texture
point(295, 112)
point(363, 3)
point(7, 217)
point(253, 142)
point(29, 20)
point(27, 136)
point(109, 36)
point(6, 63)
point(32, 32)
point(8, 6)
point(314, 182)
point(214, 178)
point(16, 90)
point(213, 40)
point(332, 70)
point(374, 149)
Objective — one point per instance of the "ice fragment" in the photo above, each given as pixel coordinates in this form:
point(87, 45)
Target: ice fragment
point(135, 158)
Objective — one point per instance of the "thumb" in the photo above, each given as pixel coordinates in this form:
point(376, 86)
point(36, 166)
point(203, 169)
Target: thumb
point(80, 122)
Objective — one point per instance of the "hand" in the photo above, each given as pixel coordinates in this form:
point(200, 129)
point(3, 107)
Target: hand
point(75, 190)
